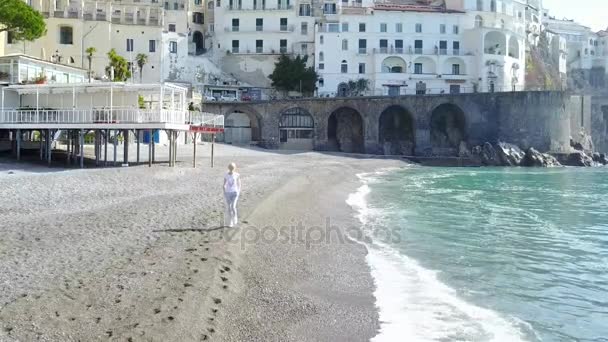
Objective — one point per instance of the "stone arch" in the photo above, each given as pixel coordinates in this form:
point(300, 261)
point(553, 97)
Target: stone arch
point(394, 65)
point(513, 47)
point(448, 66)
point(396, 131)
point(242, 125)
point(345, 131)
point(199, 42)
point(296, 129)
point(495, 43)
point(448, 129)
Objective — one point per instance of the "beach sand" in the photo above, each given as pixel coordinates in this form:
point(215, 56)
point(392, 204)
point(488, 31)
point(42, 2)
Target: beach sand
point(139, 254)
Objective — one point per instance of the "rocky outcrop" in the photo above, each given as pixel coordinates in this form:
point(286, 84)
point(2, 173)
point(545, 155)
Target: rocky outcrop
point(534, 158)
point(579, 158)
point(600, 158)
point(488, 155)
point(509, 154)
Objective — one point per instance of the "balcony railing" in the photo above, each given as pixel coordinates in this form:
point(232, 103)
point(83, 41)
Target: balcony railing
point(280, 7)
point(362, 51)
point(94, 116)
point(418, 51)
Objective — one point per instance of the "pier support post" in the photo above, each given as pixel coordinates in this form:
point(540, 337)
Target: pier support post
point(153, 146)
point(115, 143)
point(49, 146)
point(212, 148)
point(96, 147)
point(170, 134)
point(18, 144)
point(194, 147)
point(82, 148)
point(175, 147)
point(68, 146)
point(40, 141)
point(138, 138)
point(149, 148)
point(125, 152)
point(105, 151)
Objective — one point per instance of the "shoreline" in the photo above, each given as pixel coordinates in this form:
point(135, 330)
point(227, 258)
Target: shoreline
point(166, 267)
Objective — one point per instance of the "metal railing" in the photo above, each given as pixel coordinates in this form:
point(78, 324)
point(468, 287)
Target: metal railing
point(92, 116)
point(206, 119)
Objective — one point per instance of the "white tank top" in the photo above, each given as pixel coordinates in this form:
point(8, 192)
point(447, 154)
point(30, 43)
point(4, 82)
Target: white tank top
point(231, 182)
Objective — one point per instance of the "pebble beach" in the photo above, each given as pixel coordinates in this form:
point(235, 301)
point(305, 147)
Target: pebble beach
point(140, 254)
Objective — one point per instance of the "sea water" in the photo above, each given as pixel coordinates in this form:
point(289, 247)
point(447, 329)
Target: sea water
point(491, 254)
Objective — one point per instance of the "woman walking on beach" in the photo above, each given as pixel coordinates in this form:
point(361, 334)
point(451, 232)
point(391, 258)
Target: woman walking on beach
point(232, 189)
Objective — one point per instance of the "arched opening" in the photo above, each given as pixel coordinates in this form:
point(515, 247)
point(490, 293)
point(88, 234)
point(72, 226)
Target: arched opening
point(342, 90)
point(344, 66)
point(454, 66)
point(513, 48)
point(447, 129)
point(424, 65)
point(396, 131)
point(478, 21)
point(393, 65)
point(495, 43)
point(296, 129)
point(199, 41)
point(345, 131)
point(241, 128)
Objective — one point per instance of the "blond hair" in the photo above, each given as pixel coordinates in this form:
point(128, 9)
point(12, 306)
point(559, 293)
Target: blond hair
point(231, 167)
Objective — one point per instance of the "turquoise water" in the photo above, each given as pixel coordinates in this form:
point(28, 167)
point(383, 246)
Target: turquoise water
point(488, 254)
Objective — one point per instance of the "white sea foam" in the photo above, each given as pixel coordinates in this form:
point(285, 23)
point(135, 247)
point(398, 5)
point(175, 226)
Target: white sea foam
point(414, 305)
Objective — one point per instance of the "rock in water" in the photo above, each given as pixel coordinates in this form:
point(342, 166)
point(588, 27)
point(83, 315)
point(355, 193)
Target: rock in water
point(604, 159)
point(463, 150)
point(579, 158)
point(509, 154)
point(536, 159)
point(489, 157)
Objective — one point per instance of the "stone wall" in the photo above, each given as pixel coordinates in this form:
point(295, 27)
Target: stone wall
point(529, 119)
point(599, 122)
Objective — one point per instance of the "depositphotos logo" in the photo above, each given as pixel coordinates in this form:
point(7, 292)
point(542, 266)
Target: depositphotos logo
point(300, 233)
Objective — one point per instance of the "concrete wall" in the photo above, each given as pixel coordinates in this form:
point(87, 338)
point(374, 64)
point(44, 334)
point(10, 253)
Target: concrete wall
point(529, 119)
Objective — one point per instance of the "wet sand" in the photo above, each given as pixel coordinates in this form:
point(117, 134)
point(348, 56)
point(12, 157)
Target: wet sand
point(139, 254)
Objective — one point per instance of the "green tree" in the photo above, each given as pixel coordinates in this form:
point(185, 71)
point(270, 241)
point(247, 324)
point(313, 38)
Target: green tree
point(90, 52)
point(20, 20)
point(122, 70)
point(358, 87)
point(141, 60)
point(292, 74)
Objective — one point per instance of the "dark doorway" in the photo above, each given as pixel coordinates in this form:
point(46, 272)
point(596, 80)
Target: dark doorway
point(447, 129)
point(199, 41)
point(345, 131)
point(396, 131)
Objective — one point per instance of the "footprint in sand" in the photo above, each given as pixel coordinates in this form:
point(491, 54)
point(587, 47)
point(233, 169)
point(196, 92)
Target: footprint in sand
point(224, 278)
point(217, 300)
point(214, 311)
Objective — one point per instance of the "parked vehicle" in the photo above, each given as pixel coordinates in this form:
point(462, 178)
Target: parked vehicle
point(246, 98)
point(228, 98)
point(209, 98)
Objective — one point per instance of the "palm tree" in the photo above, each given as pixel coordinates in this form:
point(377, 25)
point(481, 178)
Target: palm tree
point(90, 52)
point(141, 59)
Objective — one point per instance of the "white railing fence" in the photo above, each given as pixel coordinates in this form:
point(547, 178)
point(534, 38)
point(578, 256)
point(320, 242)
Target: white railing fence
point(206, 119)
point(94, 116)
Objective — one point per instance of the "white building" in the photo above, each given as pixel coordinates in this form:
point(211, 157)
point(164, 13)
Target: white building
point(587, 51)
point(460, 46)
point(167, 32)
